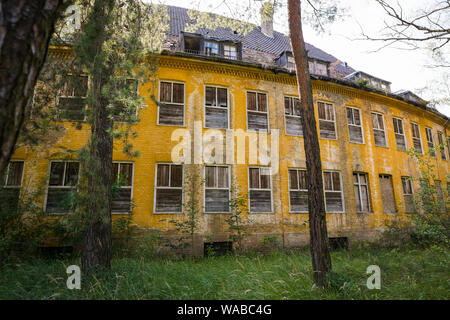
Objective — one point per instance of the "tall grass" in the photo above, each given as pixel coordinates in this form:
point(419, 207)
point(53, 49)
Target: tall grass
point(405, 274)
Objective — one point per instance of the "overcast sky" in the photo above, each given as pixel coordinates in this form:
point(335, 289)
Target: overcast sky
point(404, 68)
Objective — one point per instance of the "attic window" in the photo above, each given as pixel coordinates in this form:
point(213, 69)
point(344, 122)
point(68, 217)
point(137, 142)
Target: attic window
point(230, 51)
point(316, 67)
point(291, 62)
point(192, 44)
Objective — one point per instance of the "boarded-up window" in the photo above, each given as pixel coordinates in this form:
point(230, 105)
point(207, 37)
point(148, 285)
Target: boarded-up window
point(216, 107)
point(10, 184)
point(298, 191)
point(72, 98)
point(430, 142)
point(327, 120)
point(260, 191)
point(417, 141)
point(362, 195)
point(171, 109)
point(63, 178)
point(408, 194)
point(217, 189)
point(387, 194)
point(122, 174)
point(441, 145)
point(334, 197)
point(379, 132)
point(399, 134)
point(257, 116)
point(169, 188)
point(293, 116)
point(127, 91)
point(355, 129)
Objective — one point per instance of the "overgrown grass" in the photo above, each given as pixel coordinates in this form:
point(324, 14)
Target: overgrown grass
point(405, 274)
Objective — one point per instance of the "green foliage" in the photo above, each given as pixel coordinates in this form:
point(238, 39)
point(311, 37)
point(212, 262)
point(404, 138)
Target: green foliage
point(271, 242)
point(430, 224)
point(362, 82)
point(23, 225)
point(238, 206)
point(405, 274)
point(189, 223)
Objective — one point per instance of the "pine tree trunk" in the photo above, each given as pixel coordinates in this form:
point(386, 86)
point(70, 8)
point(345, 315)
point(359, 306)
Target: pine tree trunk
point(97, 241)
point(25, 31)
point(321, 260)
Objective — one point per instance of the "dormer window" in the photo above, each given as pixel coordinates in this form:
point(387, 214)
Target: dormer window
point(211, 48)
point(230, 51)
point(192, 43)
point(317, 67)
point(290, 63)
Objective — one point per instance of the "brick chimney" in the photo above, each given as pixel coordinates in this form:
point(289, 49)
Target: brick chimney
point(266, 13)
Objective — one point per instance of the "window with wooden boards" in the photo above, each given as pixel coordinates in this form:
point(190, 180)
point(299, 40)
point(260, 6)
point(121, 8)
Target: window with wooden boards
point(172, 103)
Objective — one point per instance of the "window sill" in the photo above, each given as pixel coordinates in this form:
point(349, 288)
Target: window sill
point(172, 125)
point(298, 212)
point(269, 212)
point(163, 213)
point(258, 131)
point(204, 212)
point(292, 135)
point(119, 213)
point(56, 213)
point(329, 139)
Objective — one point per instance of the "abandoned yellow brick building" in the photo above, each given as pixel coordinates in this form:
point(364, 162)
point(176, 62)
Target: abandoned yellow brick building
point(231, 113)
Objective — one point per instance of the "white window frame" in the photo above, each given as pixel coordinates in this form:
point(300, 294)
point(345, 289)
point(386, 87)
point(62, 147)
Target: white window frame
point(341, 191)
point(171, 98)
point(72, 96)
point(292, 116)
point(430, 130)
point(257, 111)
point(7, 174)
point(216, 173)
point(404, 133)
point(126, 187)
point(230, 56)
point(355, 125)
point(409, 181)
point(442, 149)
point(333, 121)
point(359, 184)
point(47, 187)
point(216, 107)
point(212, 42)
point(290, 62)
point(290, 189)
point(420, 135)
point(168, 187)
point(383, 130)
point(260, 189)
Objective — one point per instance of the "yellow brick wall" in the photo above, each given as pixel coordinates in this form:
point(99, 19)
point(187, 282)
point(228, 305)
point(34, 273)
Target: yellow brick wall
point(155, 145)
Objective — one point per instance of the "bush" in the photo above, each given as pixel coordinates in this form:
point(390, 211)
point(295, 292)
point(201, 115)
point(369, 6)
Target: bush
point(23, 226)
